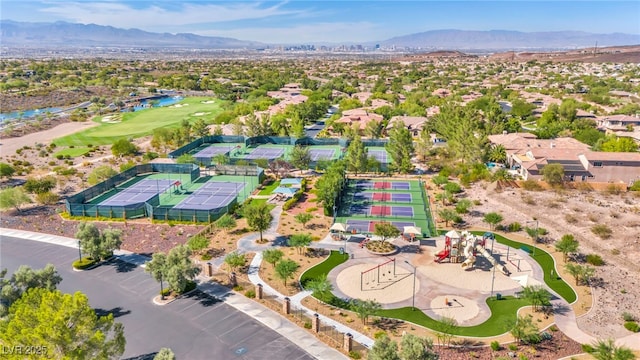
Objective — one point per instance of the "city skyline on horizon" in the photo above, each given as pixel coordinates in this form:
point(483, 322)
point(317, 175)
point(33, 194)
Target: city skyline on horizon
point(302, 21)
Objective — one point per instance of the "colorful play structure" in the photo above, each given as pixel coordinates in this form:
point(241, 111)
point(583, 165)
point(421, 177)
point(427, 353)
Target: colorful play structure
point(463, 248)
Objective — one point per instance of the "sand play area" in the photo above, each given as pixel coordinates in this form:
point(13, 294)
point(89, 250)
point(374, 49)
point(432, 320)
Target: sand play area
point(441, 289)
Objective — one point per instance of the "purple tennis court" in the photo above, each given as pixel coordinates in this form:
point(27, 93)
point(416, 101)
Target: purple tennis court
point(364, 226)
point(212, 151)
point(140, 192)
point(265, 153)
point(321, 154)
point(381, 210)
point(391, 185)
point(380, 155)
point(384, 196)
point(212, 195)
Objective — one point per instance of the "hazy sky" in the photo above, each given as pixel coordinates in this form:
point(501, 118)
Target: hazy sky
point(305, 21)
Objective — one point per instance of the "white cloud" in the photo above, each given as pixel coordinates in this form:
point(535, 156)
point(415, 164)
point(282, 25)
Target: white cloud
point(121, 15)
point(338, 32)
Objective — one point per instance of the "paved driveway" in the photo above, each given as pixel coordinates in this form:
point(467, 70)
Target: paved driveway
point(197, 327)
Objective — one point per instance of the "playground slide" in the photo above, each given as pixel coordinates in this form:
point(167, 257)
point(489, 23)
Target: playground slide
point(442, 255)
point(469, 255)
point(491, 259)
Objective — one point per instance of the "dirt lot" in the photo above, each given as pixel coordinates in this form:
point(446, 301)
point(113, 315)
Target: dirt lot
point(617, 283)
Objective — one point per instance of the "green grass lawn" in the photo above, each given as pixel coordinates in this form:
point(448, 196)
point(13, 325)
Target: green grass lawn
point(73, 152)
point(321, 270)
point(546, 262)
point(269, 188)
point(141, 123)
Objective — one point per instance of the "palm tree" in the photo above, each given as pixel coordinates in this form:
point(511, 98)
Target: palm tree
point(498, 154)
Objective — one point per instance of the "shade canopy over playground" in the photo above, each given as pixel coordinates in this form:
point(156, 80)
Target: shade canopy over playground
point(412, 230)
point(284, 190)
point(291, 181)
point(339, 227)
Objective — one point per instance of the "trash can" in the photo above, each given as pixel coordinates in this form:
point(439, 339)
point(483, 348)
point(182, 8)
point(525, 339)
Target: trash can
point(498, 296)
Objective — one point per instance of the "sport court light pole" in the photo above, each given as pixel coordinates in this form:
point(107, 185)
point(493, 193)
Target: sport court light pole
point(413, 298)
point(535, 238)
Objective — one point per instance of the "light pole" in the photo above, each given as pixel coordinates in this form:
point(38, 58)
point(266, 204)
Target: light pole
point(535, 238)
point(413, 298)
point(79, 251)
point(493, 276)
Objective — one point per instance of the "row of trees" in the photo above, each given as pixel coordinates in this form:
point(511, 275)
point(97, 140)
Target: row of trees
point(329, 186)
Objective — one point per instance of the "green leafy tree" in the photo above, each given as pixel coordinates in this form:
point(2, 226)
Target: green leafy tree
point(23, 279)
point(200, 128)
point(445, 197)
point(123, 147)
point(300, 157)
point(39, 186)
point(180, 268)
point(100, 174)
point(493, 219)
point(303, 218)
point(235, 260)
point(258, 217)
point(373, 129)
point(462, 128)
point(463, 206)
point(357, 156)
point(320, 285)
point(226, 222)
point(272, 256)
point(400, 148)
point(423, 145)
point(566, 245)
point(417, 348)
point(608, 350)
point(523, 327)
point(297, 126)
point(13, 198)
point(98, 245)
point(445, 328)
point(534, 233)
point(286, 269)
point(220, 159)
point(537, 295)
point(300, 242)
point(165, 354)
point(157, 267)
point(447, 215)
point(186, 159)
point(6, 170)
point(553, 174)
point(619, 144)
point(574, 270)
point(386, 230)
point(365, 308)
point(66, 325)
point(384, 349)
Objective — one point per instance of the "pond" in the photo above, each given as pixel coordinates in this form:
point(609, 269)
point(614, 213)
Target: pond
point(27, 114)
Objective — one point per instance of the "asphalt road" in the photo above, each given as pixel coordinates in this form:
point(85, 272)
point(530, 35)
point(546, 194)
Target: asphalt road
point(197, 327)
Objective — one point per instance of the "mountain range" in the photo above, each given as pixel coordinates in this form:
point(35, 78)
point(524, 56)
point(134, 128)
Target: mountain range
point(63, 34)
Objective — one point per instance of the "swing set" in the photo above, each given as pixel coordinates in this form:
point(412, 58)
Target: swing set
point(380, 274)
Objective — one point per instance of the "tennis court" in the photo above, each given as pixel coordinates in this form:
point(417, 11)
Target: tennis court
point(380, 155)
point(381, 210)
point(369, 226)
point(321, 154)
point(211, 195)
point(265, 153)
point(390, 185)
point(383, 196)
point(140, 192)
point(212, 151)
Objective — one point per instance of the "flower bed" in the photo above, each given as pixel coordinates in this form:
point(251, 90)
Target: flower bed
point(379, 247)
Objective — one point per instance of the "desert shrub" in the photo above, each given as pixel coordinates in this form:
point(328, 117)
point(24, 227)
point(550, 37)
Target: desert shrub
point(632, 326)
point(553, 204)
point(165, 292)
point(513, 347)
point(613, 189)
point(352, 354)
point(595, 259)
point(615, 252)
point(252, 294)
point(514, 226)
point(635, 186)
point(47, 198)
point(495, 346)
point(531, 185)
point(528, 200)
point(602, 231)
point(206, 257)
point(84, 263)
point(593, 217)
point(571, 219)
point(311, 209)
point(628, 316)
point(379, 334)
point(453, 188)
point(587, 348)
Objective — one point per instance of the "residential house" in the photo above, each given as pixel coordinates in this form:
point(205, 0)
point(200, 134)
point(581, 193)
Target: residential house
point(618, 122)
point(358, 116)
point(415, 124)
point(527, 156)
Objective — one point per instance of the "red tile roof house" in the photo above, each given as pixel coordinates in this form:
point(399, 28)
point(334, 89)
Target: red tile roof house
point(415, 124)
point(617, 122)
point(358, 116)
point(528, 155)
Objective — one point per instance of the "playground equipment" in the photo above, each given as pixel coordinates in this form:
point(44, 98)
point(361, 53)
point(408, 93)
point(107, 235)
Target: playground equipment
point(462, 248)
point(381, 274)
